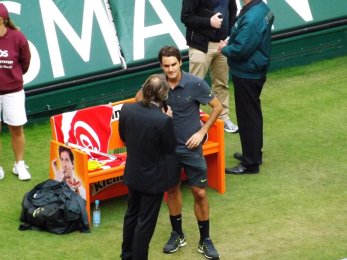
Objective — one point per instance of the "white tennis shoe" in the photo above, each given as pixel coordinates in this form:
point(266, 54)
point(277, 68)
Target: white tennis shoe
point(20, 169)
point(2, 173)
point(230, 127)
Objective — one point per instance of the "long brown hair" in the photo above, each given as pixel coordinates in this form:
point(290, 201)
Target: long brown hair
point(9, 23)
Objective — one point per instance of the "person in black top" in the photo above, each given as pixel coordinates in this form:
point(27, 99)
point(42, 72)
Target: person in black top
point(207, 23)
point(149, 137)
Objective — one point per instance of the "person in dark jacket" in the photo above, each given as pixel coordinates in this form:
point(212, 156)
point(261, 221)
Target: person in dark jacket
point(14, 62)
point(248, 52)
point(207, 23)
point(148, 133)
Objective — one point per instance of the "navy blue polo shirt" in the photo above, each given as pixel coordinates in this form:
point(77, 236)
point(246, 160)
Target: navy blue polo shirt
point(185, 100)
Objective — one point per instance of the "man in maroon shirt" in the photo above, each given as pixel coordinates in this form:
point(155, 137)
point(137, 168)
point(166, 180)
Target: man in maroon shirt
point(14, 62)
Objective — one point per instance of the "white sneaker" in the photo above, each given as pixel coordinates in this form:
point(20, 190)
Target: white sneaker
point(230, 127)
point(20, 169)
point(2, 173)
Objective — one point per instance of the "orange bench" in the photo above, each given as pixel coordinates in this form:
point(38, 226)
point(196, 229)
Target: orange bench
point(107, 183)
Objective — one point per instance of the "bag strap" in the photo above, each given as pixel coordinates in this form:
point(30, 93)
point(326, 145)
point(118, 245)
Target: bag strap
point(24, 226)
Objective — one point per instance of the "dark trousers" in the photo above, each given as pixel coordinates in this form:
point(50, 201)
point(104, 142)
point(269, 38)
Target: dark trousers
point(139, 223)
point(250, 119)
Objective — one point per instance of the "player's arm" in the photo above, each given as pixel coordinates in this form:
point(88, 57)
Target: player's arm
point(216, 110)
point(196, 139)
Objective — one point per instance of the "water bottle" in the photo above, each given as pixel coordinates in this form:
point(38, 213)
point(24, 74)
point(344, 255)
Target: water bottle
point(96, 214)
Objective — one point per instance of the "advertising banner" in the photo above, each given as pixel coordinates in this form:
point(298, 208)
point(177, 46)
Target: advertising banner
point(68, 39)
point(150, 24)
point(76, 39)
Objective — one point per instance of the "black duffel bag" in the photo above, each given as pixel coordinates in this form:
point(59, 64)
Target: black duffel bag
point(54, 207)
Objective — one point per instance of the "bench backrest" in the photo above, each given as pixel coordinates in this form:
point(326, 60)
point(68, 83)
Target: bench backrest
point(93, 127)
point(115, 141)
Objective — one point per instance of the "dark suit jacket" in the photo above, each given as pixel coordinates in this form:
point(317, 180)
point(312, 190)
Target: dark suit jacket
point(149, 137)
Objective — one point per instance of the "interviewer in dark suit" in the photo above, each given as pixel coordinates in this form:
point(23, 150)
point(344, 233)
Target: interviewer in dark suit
point(148, 133)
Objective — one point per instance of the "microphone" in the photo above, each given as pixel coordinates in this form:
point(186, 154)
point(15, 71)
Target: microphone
point(165, 105)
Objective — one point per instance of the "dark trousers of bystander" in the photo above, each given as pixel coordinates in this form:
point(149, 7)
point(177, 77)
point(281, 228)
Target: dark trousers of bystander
point(250, 119)
point(139, 223)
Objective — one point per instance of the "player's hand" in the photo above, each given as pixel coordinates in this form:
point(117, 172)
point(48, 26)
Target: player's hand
point(216, 21)
point(195, 140)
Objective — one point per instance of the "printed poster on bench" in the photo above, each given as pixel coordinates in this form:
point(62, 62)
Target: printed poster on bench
point(66, 165)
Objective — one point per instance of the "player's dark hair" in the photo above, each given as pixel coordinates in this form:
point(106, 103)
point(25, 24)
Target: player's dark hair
point(169, 51)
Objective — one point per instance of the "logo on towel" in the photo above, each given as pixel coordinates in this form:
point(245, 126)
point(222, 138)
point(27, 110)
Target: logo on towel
point(89, 127)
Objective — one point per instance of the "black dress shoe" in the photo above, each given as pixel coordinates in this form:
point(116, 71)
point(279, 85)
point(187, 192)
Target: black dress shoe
point(238, 156)
point(241, 169)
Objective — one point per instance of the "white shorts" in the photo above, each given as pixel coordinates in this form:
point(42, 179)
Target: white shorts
point(12, 108)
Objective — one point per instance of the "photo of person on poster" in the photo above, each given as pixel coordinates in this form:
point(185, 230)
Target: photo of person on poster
point(67, 171)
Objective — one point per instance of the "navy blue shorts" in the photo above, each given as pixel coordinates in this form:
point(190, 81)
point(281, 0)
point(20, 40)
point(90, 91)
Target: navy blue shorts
point(194, 164)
